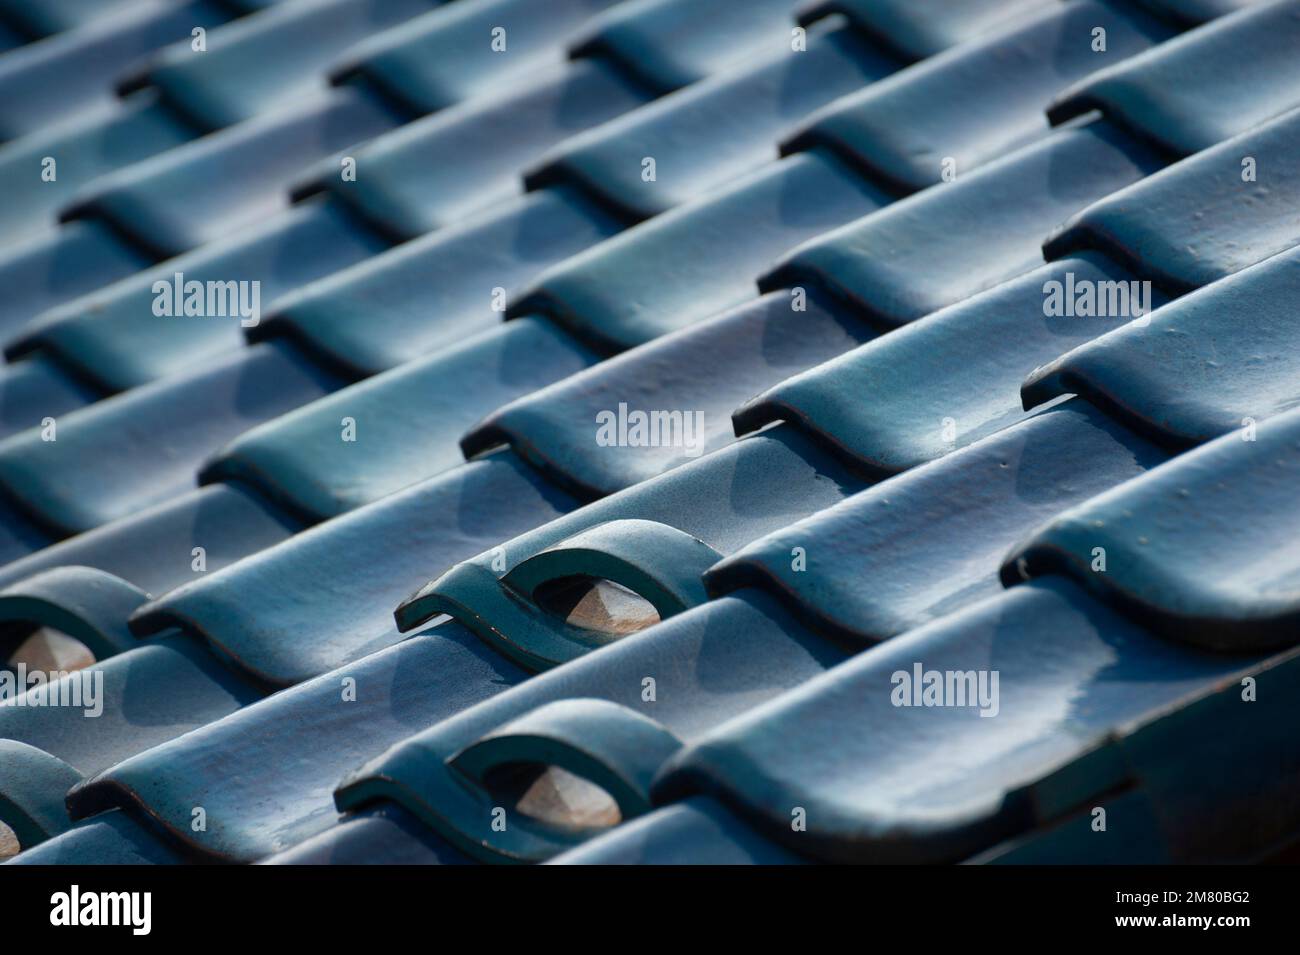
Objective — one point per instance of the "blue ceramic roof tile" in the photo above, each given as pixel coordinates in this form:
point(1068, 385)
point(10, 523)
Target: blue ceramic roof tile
point(592, 718)
point(694, 831)
point(111, 838)
point(1203, 87)
point(154, 550)
point(957, 111)
point(932, 540)
point(437, 290)
point(90, 585)
point(83, 603)
point(61, 265)
point(1215, 360)
point(148, 695)
point(269, 59)
point(705, 135)
point(290, 612)
point(952, 377)
point(703, 371)
point(1169, 556)
point(1176, 812)
point(655, 538)
point(82, 151)
point(112, 337)
point(1135, 823)
point(404, 424)
point(1203, 218)
point(615, 294)
point(453, 54)
point(32, 785)
point(922, 28)
point(918, 256)
point(33, 390)
point(238, 177)
point(384, 835)
point(149, 442)
point(893, 783)
point(441, 169)
point(1227, 816)
point(72, 75)
point(246, 770)
point(933, 427)
point(671, 43)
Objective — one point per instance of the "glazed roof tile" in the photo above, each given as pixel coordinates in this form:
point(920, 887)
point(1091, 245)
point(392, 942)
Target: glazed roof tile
point(317, 619)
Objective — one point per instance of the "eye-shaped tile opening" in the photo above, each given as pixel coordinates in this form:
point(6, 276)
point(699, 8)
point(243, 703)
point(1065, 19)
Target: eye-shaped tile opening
point(597, 604)
point(554, 797)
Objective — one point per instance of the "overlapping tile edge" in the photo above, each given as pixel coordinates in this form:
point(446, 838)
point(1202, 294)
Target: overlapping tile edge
point(736, 593)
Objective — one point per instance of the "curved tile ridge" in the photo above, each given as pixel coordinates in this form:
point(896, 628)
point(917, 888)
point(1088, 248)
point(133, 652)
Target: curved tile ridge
point(929, 541)
point(162, 547)
point(84, 149)
point(1202, 218)
point(592, 718)
point(231, 179)
point(71, 76)
point(953, 377)
point(433, 292)
point(110, 839)
point(691, 378)
point(248, 771)
point(1202, 550)
point(155, 692)
point(91, 584)
point(1086, 702)
point(384, 835)
point(917, 29)
point(292, 611)
point(147, 443)
point(82, 602)
point(113, 338)
point(390, 431)
point(35, 282)
point(705, 135)
point(667, 44)
point(977, 102)
point(956, 239)
point(439, 170)
point(618, 294)
point(654, 538)
point(1203, 87)
point(1215, 360)
point(455, 52)
point(266, 60)
point(32, 787)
